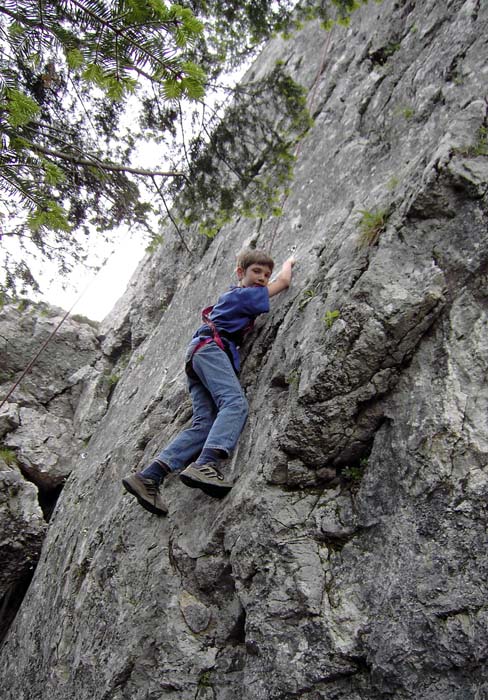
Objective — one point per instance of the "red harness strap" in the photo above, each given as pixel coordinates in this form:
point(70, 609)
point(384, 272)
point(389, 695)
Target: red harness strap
point(214, 337)
point(215, 334)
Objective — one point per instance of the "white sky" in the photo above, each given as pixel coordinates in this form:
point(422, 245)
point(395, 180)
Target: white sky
point(99, 292)
point(94, 294)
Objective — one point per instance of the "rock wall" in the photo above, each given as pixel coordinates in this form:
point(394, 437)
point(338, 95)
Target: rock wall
point(373, 364)
point(44, 426)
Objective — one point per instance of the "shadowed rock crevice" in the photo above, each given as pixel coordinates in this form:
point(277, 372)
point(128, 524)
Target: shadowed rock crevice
point(48, 500)
point(12, 598)
point(23, 528)
point(42, 429)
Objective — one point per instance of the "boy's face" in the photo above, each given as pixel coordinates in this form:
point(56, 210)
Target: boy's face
point(256, 275)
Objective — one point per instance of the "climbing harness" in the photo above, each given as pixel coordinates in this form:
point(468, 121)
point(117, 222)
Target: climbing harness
point(216, 336)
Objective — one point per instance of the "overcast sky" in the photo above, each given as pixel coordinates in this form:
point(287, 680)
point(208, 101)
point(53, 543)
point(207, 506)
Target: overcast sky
point(99, 292)
point(95, 294)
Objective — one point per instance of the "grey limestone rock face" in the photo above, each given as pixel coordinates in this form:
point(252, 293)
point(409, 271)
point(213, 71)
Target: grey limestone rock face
point(22, 528)
point(147, 297)
point(60, 400)
point(370, 369)
point(44, 425)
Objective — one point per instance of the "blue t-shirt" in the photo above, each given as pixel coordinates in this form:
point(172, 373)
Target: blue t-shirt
point(234, 311)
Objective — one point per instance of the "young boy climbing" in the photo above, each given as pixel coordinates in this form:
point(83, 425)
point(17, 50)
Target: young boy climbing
point(220, 408)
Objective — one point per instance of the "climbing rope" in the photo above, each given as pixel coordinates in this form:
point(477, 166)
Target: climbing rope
point(53, 333)
point(311, 103)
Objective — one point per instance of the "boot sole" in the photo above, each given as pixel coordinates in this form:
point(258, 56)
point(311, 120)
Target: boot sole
point(145, 504)
point(213, 490)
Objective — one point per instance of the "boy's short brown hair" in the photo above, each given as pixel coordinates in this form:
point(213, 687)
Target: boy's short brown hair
point(254, 256)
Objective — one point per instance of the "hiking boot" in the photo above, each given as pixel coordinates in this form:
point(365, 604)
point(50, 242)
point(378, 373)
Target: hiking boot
point(147, 493)
point(207, 478)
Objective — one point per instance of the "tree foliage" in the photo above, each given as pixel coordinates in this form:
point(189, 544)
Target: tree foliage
point(72, 72)
point(244, 163)
point(235, 29)
point(67, 69)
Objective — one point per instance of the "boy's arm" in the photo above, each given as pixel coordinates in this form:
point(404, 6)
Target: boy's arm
point(284, 278)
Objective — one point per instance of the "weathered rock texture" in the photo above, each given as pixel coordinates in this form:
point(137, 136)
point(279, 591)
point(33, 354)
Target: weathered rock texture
point(44, 426)
point(45, 418)
point(22, 528)
point(377, 587)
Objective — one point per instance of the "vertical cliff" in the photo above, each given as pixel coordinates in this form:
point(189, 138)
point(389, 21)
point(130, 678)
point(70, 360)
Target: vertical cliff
point(45, 424)
point(373, 363)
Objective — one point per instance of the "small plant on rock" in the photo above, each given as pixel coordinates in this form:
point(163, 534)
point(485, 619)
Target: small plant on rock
point(156, 241)
point(22, 304)
point(480, 148)
point(307, 296)
point(8, 456)
point(381, 55)
point(392, 183)
point(482, 143)
point(408, 112)
point(113, 379)
point(371, 225)
point(330, 317)
point(204, 681)
point(355, 472)
point(293, 379)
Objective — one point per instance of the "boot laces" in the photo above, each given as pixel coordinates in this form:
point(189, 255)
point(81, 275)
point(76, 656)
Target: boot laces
point(210, 471)
point(152, 487)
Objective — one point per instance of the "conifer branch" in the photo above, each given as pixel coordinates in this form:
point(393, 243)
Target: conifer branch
point(102, 165)
point(171, 217)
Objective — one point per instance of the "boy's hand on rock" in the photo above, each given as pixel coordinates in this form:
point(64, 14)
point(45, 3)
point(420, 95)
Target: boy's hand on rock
point(283, 280)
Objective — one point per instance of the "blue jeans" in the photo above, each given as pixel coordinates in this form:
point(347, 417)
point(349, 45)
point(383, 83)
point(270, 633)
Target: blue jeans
point(220, 409)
